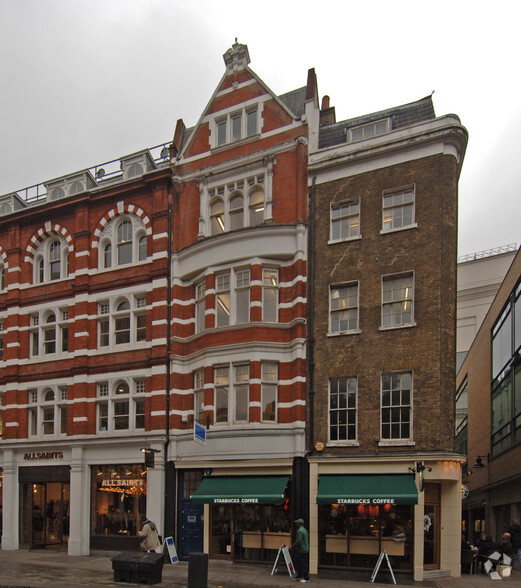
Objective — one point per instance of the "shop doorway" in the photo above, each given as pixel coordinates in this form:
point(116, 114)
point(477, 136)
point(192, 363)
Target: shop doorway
point(431, 527)
point(45, 515)
point(190, 537)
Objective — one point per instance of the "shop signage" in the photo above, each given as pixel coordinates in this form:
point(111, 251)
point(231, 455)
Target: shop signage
point(35, 455)
point(365, 501)
point(236, 501)
point(122, 483)
point(199, 434)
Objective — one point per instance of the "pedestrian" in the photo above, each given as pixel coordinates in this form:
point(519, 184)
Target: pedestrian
point(505, 545)
point(515, 538)
point(301, 552)
point(150, 536)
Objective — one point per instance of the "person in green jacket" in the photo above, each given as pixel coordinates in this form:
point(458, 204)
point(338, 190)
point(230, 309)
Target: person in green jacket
point(301, 551)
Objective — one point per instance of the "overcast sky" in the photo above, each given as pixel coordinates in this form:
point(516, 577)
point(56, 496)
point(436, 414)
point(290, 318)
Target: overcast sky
point(83, 82)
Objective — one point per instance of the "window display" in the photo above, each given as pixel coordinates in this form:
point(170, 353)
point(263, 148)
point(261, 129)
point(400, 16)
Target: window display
point(118, 500)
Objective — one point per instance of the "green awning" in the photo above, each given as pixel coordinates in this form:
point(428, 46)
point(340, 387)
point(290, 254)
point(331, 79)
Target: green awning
point(241, 490)
point(372, 489)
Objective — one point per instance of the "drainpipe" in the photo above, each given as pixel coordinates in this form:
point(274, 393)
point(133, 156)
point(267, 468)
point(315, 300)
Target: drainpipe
point(169, 520)
point(311, 315)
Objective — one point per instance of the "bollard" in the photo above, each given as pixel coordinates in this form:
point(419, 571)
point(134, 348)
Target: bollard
point(198, 570)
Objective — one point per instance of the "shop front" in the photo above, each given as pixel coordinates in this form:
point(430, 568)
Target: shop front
point(118, 506)
point(359, 516)
point(249, 516)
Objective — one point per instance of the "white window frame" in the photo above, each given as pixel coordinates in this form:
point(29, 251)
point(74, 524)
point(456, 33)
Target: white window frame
point(369, 130)
point(230, 380)
point(269, 383)
point(45, 259)
point(338, 309)
point(110, 243)
point(395, 300)
point(44, 412)
point(2, 337)
point(109, 395)
point(394, 204)
point(394, 391)
point(334, 397)
point(345, 216)
point(199, 396)
point(226, 130)
point(270, 294)
point(200, 306)
point(220, 212)
point(233, 284)
point(42, 328)
point(110, 322)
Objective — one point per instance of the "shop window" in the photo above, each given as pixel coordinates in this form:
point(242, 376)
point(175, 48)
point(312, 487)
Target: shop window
point(51, 261)
point(122, 321)
point(353, 536)
point(122, 242)
point(120, 406)
point(47, 410)
point(49, 332)
point(118, 502)
point(232, 391)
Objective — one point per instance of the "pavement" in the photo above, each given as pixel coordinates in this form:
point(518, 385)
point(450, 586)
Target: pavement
point(52, 569)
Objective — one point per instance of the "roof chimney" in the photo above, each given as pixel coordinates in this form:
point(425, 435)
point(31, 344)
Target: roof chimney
point(327, 113)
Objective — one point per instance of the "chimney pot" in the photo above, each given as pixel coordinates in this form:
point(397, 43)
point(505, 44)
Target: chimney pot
point(325, 102)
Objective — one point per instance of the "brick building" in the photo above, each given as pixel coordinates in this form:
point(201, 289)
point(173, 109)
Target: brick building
point(382, 274)
point(210, 302)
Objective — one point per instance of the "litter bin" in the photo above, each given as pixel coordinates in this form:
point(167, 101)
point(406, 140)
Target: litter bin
point(198, 570)
point(138, 567)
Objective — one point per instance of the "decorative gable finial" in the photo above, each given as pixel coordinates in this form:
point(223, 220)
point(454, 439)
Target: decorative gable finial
point(238, 55)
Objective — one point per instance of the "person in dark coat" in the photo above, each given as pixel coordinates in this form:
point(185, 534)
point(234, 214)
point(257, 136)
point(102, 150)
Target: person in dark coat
point(515, 538)
point(505, 546)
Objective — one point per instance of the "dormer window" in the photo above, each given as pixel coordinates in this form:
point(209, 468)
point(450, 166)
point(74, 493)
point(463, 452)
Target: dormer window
point(379, 127)
point(236, 126)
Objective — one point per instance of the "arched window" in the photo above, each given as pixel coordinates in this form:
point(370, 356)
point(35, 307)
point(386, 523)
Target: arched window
point(217, 216)
point(51, 261)
point(256, 206)
point(121, 405)
point(76, 188)
point(48, 412)
point(49, 332)
point(236, 211)
point(122, 322)
point(122, 242)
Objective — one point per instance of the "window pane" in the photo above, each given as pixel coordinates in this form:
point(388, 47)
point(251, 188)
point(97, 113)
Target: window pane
point(142, 248)
point(269, 397)
point(241, 402)
point(121, 415)
point(140, 413)
point(236, 128)
point(124, 253)
point(141, 330)
point(122, 330)
point(252, 123)
point(221, 133)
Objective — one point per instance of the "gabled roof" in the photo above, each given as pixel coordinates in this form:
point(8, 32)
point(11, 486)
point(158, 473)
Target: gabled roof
point(295, 101)
point(401, 116)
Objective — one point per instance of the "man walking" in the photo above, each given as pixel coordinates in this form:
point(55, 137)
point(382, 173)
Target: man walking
point(301, 550)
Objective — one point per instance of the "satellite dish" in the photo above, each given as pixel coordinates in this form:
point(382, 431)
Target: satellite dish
point(100, 173)
point(165, 152)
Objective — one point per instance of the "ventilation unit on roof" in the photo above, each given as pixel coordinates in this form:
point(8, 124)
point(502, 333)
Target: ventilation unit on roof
point(70, 185)
point(137, 164)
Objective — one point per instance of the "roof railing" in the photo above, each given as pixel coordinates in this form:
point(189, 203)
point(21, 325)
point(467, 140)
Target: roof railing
point(488, 253)
point(103, 173)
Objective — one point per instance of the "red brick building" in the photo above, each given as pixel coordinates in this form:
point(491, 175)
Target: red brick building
point(217, 302)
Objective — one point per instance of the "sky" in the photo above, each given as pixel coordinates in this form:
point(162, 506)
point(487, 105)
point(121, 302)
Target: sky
point(83, 82)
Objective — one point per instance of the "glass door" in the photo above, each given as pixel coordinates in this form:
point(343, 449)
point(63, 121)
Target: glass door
point(221, 546)
point(431, 537)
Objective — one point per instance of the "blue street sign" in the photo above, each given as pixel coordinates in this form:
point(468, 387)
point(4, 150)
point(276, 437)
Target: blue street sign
point(200, 433)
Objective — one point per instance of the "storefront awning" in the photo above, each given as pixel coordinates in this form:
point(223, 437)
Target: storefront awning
point(367, 489)
point(241, 490)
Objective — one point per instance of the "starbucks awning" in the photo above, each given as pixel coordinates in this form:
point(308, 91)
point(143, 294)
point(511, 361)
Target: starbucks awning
point(367, 489)
point(241, 490)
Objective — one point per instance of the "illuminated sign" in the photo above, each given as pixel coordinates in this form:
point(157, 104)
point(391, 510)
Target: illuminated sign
point(122, 483)
point(43, 455)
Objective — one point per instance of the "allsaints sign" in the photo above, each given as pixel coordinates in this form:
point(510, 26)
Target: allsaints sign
point(35, 455)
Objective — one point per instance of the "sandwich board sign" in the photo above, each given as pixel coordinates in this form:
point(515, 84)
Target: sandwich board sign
point(171, 550)
point(287, 558)
point(383, 554)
